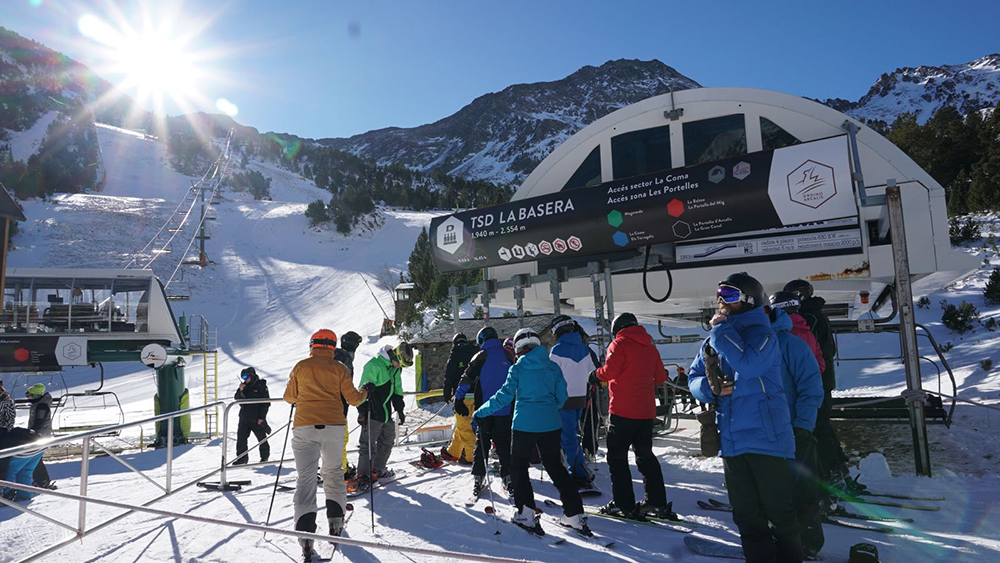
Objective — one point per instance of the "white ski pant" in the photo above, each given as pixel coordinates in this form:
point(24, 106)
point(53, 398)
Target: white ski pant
point(309, 444)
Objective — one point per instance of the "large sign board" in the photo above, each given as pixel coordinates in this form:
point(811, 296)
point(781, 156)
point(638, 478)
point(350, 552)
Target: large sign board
point(805, 183)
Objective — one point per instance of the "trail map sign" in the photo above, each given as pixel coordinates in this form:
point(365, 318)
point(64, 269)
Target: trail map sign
point(805, 183)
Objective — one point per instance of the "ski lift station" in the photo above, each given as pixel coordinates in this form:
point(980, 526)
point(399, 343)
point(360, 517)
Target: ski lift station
point(711, 180)
point(647, 208)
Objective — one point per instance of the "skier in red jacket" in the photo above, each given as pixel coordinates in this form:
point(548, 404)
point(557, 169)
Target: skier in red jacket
point(633, 371)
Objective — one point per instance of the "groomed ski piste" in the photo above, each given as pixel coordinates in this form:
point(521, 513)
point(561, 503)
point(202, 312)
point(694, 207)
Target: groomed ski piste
point(274, 281)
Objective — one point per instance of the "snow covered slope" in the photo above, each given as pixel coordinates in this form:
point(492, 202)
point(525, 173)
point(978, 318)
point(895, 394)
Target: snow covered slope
point(925, 89)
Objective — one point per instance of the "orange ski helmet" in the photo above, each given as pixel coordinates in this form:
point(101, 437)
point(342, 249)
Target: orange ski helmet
point(323, 338)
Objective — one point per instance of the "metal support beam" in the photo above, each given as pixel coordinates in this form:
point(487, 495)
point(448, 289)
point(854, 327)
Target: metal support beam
point(519, 298)
point(454, 307)
point(908, 331)
point(859, 177)
point(595, 278)
point(609, 289)
point(554, 288)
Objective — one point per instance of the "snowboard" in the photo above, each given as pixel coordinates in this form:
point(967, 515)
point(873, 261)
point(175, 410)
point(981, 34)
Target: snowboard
point(713, 548)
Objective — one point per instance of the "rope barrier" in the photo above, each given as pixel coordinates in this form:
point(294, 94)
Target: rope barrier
point(269, 529)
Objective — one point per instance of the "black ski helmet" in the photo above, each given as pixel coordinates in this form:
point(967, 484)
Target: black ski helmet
point(561, 324)
point(753, 292)
point(786, 301)
point(250, 373)
point(623, 320)
point(350, 341)
point(486, 333)
point(459, 337)
point(802, 288)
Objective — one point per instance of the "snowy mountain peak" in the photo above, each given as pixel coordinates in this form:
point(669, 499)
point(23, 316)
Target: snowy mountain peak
point(502, 136)
point(923, 90)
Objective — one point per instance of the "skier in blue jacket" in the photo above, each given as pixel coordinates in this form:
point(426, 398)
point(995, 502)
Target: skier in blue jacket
point(487, 371)
point(576, 362)
point(540, 388)
point(803, 385)
point(739, 370)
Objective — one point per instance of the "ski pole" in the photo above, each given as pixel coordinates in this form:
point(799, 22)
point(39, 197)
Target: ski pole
point(277, 476)
point(371, 485)
point(485, 457)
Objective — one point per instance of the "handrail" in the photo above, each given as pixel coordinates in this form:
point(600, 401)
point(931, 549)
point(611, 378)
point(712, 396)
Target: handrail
point(97, 432)
point(225, 433)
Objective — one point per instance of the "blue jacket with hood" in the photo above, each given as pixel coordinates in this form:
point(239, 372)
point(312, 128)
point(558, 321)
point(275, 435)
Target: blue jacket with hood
point(754, 418)
point(800, 376)
point(540, 388)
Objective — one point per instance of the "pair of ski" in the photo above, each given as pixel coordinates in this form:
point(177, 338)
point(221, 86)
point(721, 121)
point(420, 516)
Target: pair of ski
point(353, 491)
point(312, 556)
point(538, 532)
point(847, 497)
point(681, 526)
point(713, 504)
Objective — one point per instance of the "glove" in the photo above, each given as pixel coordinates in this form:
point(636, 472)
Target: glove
point(804, 442)
point(368, 387)
point(461, 409)
point(713, 370)
point(592, 378)
point(401, 417)
point(448, 393)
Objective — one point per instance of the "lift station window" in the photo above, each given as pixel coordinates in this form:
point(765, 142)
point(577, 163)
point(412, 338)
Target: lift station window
point(714, 139)
point(75, 305)
point(588, 174)
point(640, 152)
point(773, 137)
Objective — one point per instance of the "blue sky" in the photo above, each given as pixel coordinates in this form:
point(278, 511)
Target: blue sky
point(337, 68)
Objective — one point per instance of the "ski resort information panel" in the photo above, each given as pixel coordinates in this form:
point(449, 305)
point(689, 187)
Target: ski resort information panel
point(805, 183)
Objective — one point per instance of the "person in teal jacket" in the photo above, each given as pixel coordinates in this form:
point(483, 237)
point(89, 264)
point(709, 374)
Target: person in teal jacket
point(803, 385)
point(540, 388)
point(738, 369)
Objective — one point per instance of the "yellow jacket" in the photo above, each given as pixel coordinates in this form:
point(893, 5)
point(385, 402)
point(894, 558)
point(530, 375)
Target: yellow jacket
point(316, 386)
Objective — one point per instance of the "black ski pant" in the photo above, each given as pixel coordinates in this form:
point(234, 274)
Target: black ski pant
point(591, 422)
point(496, 430)
point(550, 449)
point(832, 459)
point(40, 477)
point(807, 493)
point(625, 433)
point(260, 431)
point(759, 493)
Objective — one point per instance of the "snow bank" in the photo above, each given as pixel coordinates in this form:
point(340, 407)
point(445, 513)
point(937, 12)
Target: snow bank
point(25, 143)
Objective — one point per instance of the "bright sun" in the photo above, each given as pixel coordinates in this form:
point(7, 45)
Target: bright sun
point(152, 64)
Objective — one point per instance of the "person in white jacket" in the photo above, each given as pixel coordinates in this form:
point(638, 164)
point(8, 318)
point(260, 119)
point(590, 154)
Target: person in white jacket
point(576, 362)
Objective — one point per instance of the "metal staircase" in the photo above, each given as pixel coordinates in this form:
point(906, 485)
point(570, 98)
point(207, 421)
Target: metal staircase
point(204, 341)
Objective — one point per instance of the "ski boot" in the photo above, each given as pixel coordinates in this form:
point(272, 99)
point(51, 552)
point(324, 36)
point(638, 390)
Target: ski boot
point(508, 486)
point(447, 456)
point(308, 553)
point(351, 473)
point(383, 474)
point(529, 519)
point(578, 522)
point(662, 512)
point(478, 485)
point(336, 525)
point(361, 485)
point(612, 509)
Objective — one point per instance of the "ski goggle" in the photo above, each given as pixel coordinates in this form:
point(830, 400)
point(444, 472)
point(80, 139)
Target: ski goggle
point(244, 376)
point(786, 304)
point(729, 294)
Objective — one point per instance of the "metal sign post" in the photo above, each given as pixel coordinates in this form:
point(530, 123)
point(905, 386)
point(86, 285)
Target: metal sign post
point(915, 398)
